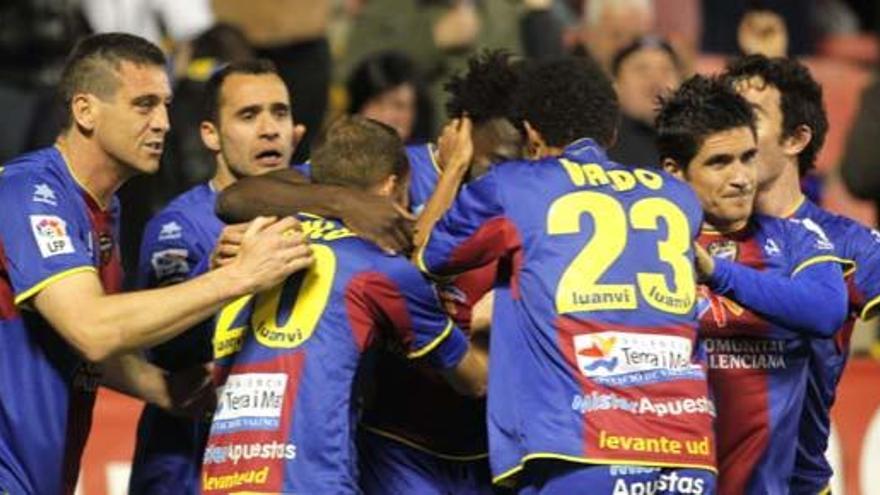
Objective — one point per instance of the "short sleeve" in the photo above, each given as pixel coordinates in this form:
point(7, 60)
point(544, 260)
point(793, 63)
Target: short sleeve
point(44, 237)
point(410, 306)
point(472, 233)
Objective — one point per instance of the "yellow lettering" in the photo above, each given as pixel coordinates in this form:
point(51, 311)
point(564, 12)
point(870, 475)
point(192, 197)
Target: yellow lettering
point(575, 174)
point(649, 179)
point(622, 180)
point(595, 175)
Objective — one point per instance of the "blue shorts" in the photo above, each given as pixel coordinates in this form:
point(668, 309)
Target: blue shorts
point(388, 467)
point(168, 454)
point(567, 478)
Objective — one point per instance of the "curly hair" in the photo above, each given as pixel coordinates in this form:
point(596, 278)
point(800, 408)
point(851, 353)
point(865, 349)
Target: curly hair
point(485, 91)
point(700, 107)
point(566, 99)
point(800, 98)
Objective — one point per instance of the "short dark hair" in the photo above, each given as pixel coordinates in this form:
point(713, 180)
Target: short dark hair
point(566, 99)
point(215, 83)
point(800, 98)
point(700, 107)
point(486, 90)
point(92, 65)
point(376, 74)
point(358, 152)
point(644, 42)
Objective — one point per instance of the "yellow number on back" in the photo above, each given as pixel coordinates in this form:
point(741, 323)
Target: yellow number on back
point(308, 305)
point(228, 340)
point(578, 290)
point(653, 287)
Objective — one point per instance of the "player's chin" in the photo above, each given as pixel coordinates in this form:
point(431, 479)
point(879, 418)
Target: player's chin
point(148, 164)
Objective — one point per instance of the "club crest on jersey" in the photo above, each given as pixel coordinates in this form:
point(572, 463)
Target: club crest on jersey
point(50, 233)
point(724, 249)
point(170, 265)
point(44, 194)
point(170, 231)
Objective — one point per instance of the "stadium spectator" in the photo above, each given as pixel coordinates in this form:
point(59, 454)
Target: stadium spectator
point(642, 71)
point(385, 87)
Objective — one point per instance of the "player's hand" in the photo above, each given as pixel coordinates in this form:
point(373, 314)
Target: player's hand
point(481, 314)
point(763, 32)
point(455, 145)
point(229, 245)
point(270, 251)
point(704, 263)
point(378, 219)
point(191, 392)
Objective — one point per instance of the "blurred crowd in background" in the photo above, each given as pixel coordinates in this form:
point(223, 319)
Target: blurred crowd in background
point(389, 59)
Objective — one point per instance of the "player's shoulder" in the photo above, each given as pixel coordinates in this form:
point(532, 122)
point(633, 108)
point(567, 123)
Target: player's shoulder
point(44, 168)
point(422, 155)
point(841, 229)
point(198, 200)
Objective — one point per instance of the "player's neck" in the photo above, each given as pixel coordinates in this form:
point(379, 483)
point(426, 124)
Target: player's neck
point(715, 226)
point(782, 196)
point(223, 178)
point(95, 171)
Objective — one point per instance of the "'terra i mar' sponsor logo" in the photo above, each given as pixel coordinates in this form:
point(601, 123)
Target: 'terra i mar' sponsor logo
point(250, 401)
point(621, 358)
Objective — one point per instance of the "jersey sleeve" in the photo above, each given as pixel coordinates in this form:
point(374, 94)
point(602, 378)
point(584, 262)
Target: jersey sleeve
point(864, 248)
point(43, 237)
point(811, 299)
point(169, 251)
point(473, 232)
point(407, 304)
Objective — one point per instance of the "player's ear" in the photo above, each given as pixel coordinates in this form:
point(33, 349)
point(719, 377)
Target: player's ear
point(535, 144)
point(672, 167)
point(794, 144)
point(210, 135)
point(388, 186)
point(85, 110)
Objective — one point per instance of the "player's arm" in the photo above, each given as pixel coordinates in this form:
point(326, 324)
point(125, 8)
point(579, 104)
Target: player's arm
point(101, 325)
point(813, 299)
point(456, 151)
point(187, 392)
point(864, 246)
point(287, 192)
point(472, 233)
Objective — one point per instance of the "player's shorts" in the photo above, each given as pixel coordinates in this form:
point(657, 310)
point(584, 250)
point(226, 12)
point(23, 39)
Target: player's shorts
point(388, 467)
point(566, 478)
point(168, 457)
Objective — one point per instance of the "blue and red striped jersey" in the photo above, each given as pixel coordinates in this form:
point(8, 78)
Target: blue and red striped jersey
point(50, 227)
point(828, 357)
point(412, 404)
point(288, 360)
point(594, 327)
point(757, 358)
